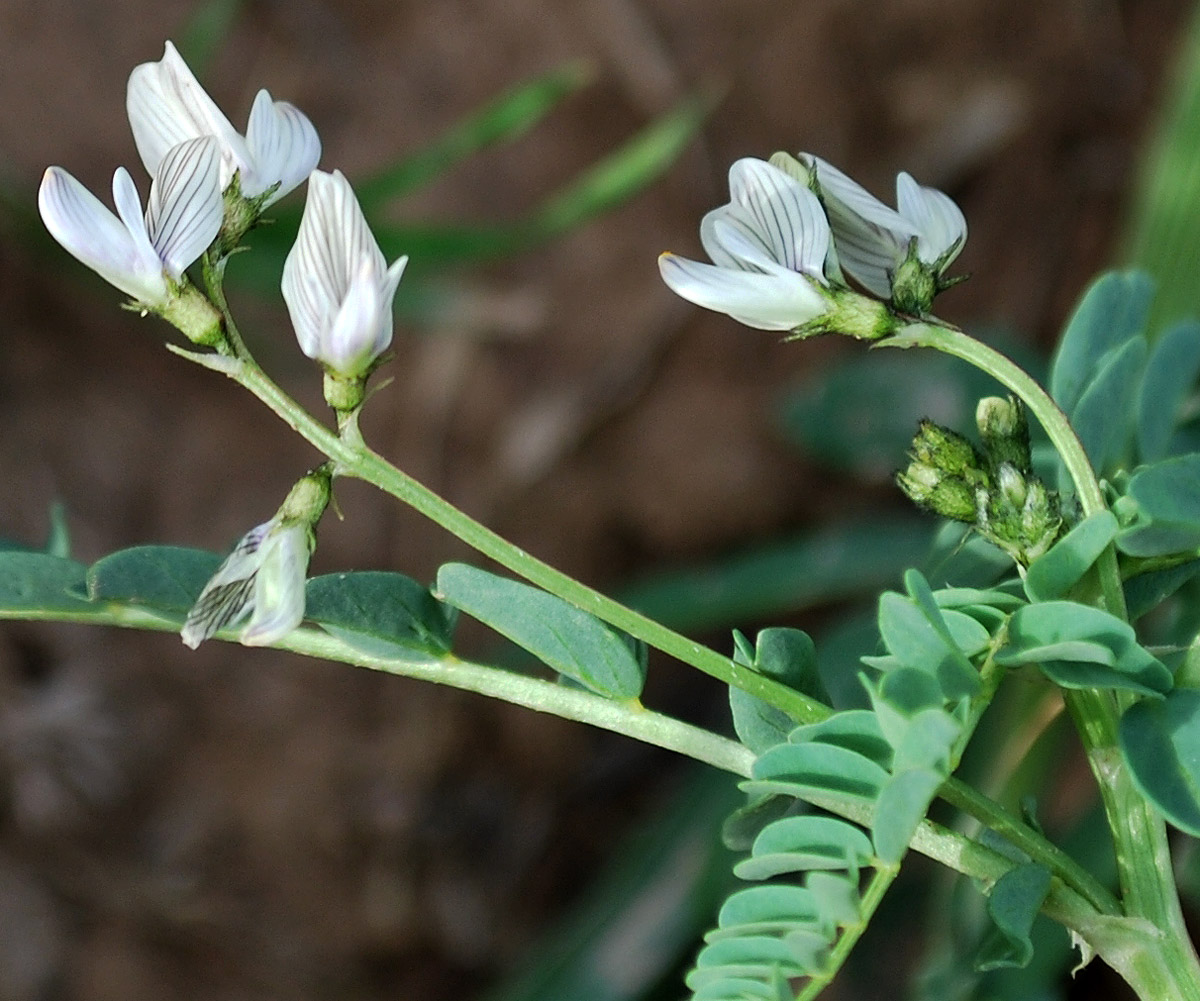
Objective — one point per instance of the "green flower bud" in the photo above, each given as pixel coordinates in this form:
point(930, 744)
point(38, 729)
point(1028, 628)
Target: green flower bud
point(1005, 432)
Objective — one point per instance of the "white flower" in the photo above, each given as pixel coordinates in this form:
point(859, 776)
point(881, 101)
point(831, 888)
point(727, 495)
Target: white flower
point(142, 256)
point(768, 247)
point(336, 283)
point(167, 105)
point(872, 239)
point(263, 578)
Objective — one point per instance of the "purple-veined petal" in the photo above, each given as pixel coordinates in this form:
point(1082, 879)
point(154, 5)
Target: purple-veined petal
point(781, 300)
point(283, 146)
point(870, 237)
point(185, 208)
point(90, 232)
point(938, 220)
point(333, 253)
point(167, 106)
point(228, 596)
point(787, 215)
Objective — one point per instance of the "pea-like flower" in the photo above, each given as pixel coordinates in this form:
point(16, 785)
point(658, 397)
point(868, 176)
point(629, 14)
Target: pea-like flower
point(167, 105)
point(144, 256)
point(873, 240)
point(768, 246)
point(336, 283)
point(263, 578)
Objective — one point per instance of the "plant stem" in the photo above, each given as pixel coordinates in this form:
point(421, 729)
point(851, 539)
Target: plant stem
point(1165, 965)
point(354, 458)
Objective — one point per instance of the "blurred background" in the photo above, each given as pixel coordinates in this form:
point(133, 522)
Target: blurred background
point(234, 824)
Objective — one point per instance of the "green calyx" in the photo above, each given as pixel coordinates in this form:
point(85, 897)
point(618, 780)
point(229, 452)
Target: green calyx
point(307, 500)
point(195, 316)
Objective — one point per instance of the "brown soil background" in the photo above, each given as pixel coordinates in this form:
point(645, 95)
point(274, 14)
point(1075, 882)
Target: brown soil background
point(237, 824)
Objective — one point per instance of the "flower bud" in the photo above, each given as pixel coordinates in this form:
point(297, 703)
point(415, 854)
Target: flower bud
point(1005, 432)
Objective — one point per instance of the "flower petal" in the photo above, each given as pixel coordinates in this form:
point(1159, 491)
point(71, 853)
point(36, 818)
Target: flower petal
point(936, 217)
point(283, 145)
point(362, 329)
point(781, 300)
point(185, 208)
point(333, 241)
point(871, 238)
point(228, 596)
point(279, 597)
point(787, 214)
point(167, 106)
point(79, 221)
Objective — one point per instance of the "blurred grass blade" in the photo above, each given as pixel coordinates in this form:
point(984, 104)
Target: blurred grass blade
point(625, 172)
point(503, 119)
point(606, 184)
point(786, 576)
point(204, 32)
point(1163, 232)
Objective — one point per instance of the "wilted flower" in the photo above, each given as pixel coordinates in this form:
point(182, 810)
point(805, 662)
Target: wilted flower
point(336, 282)
point(873, 240)
point(768, 247)
point(143, 256)
point(167, 105)
point(264, 576)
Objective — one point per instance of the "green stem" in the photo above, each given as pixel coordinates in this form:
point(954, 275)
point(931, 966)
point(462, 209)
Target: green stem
point(628, 717)
point(354, 458)
point(951, 341)
point(1139, 834)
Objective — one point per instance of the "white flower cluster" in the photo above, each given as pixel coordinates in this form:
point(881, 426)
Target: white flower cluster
point(209, 183)
point(337, 285)
point(795, 227)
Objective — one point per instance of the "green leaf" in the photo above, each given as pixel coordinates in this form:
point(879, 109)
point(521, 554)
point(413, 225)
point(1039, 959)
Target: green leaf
point(1075, 634)
point(762, 909)
point(787, 655)
point(1167, 495)
point(797, 844)
point(568, 640)
point(854, 729)
point(818, 770)
point(746, 956)
point(1147, 591)
point(1103, 416)
point(1012, 905)
point(506, 117)
point(164, 579)
point(37, 582)
point(925, 645)
point(382, 614)
point(836, 895)
point(1160, 741)
point(1171, 373)
point(1059, 569)
point(902, 805)
point(1112, 310)
point(746, 823)
point(972, 597)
